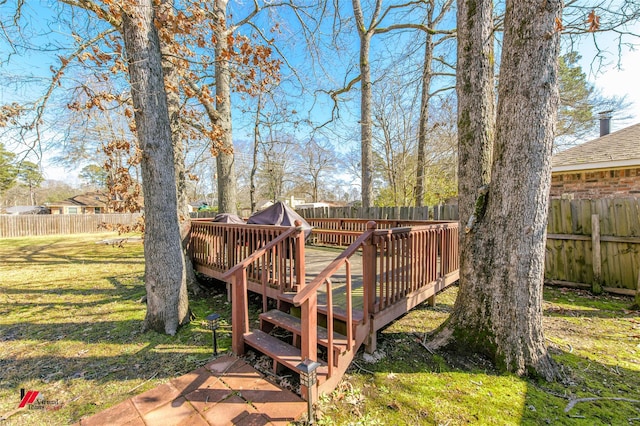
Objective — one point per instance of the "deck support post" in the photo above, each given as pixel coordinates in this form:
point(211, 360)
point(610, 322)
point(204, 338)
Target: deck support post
point(309, 325)
point(240, 311)
point(369, 286)
point(432, 300)
point(230, 261)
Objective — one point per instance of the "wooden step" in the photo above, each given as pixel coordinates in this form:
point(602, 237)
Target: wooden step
point(281, 352)
point(338, 312)
point(294, 325)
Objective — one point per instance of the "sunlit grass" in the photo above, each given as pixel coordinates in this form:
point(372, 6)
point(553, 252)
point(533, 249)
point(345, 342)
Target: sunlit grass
point(595, 340)
point(70, 327)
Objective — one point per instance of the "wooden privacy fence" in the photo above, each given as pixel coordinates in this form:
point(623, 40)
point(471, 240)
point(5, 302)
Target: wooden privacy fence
point(60, 224)
point(594, 243)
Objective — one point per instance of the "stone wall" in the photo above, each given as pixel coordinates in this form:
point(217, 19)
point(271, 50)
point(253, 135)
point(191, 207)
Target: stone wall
point(596, 184)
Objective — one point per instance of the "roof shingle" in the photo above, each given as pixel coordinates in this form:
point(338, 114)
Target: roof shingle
point(614, 149)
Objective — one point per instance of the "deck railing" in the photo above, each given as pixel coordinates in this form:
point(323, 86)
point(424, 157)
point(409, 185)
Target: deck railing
point(307, 300)
point(410, 258)
point(396, 262)
point(217, 247)
point(278, 264)
point(343, 232)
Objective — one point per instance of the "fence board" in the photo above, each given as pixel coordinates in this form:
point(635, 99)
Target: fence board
point(35, 225)
point(443, 212)
point(570, 255)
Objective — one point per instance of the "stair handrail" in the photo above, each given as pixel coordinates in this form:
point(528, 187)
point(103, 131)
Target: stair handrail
point(307, 300)
point(237, 276)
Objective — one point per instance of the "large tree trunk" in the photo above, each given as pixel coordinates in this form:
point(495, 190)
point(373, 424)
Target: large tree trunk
point(167, 304)
point(227, 197)
point(499, 308)
point(172, 82)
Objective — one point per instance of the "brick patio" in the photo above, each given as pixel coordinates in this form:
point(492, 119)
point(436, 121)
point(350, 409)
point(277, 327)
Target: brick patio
point(226, 391)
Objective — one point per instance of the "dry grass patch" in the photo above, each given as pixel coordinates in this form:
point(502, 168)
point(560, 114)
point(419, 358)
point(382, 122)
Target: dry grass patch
point(70, 328)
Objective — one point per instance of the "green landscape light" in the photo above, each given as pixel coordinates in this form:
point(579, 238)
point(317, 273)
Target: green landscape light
point(213, 323)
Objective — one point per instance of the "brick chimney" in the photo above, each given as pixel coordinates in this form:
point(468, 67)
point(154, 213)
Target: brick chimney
point(605, 122)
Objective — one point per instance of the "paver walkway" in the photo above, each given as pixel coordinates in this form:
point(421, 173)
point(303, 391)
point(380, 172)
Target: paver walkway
point(227, 391)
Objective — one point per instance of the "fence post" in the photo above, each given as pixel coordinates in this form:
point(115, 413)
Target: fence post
point(596, 285)
point(637, 298)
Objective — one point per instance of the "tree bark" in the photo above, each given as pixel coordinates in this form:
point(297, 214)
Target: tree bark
point(424, 112)
point(499, 308)
point(225, 164)
point(167, 304)
point(366, 152)
point(172, 82)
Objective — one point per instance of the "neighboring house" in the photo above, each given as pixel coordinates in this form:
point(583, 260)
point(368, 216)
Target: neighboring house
point(602, 168)
point(16, 210)
point(311, 206)
point(197, 206)
point(89, 203)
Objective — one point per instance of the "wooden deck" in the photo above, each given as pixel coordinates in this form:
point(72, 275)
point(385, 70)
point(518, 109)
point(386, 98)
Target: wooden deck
point(330, 300)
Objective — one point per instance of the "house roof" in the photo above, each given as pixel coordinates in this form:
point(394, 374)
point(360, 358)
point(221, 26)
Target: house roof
point(89, 199)
point(617, 149)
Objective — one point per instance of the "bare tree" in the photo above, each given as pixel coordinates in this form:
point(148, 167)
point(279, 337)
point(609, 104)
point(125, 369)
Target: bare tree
point(394, 141)
point(315, 162)
point(432, 20)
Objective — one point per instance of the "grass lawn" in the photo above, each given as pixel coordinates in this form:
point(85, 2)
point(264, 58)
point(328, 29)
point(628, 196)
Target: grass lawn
point(70, 318)
point(70, 328)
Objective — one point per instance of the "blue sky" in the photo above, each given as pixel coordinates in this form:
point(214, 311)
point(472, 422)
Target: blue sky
point(612, 79)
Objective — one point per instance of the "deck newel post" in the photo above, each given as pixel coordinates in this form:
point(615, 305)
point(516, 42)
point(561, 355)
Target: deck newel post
point(309, 330)
point(299, 261)
point(240, 311)
point(369, 285)
point(230, 260)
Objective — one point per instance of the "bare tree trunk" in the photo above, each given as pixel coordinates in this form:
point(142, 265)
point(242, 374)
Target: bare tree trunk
point(499, 307)
point(171, 78)
point(366, 137)
point(227, 197)
point(424, 113)
point(167, 304)
point(254, 164)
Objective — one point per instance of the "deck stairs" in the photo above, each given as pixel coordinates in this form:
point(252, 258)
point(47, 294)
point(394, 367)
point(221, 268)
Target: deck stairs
point(381, 275)
point(279, 337)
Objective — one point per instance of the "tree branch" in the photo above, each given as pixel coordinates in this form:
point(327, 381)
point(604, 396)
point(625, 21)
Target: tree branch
point(97, 10)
